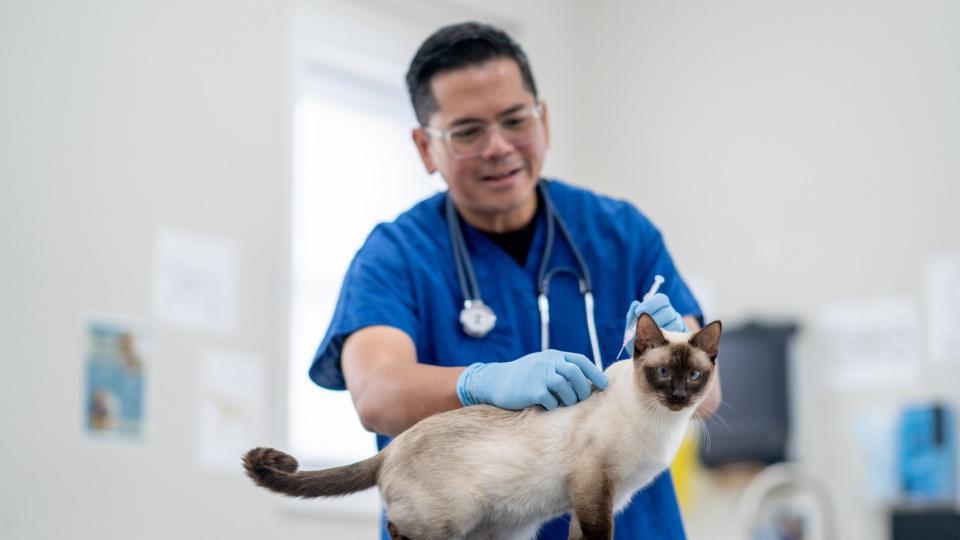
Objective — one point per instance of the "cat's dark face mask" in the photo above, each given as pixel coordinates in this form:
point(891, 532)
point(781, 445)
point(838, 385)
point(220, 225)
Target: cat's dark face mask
point(678, 373)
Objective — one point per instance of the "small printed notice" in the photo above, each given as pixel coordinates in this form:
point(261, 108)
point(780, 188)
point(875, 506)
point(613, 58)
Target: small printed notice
point(870, 343)
point(115, 379)
point(233, 407)
point(195, 281)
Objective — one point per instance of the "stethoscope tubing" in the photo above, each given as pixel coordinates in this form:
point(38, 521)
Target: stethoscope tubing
point(470, 289)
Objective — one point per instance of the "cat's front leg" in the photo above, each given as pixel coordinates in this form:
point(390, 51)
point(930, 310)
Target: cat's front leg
point(591, 529)
point(592, 516)
point(394, 533)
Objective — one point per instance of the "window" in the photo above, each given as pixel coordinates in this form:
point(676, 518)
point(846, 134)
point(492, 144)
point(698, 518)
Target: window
point(354, 165)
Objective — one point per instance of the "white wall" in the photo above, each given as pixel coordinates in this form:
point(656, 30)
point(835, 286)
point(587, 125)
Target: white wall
point(118, 117)
point(792, 154)
point(115, 118)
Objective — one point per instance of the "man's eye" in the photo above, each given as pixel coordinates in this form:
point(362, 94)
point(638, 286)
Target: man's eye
point(466, 134)
point(515, 122)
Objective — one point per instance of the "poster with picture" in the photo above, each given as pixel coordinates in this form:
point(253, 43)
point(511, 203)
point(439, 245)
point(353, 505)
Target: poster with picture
point(115, 379)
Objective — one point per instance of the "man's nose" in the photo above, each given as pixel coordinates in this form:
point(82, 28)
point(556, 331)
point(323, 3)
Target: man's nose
point(497, 145)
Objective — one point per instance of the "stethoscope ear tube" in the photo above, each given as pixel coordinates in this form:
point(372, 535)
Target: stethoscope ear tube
point(592, 328)
point(544, 304)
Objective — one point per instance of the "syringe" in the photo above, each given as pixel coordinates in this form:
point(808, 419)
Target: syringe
point(630, 330)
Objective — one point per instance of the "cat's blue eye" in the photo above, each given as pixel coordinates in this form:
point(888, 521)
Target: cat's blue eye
point(694, 375)
point(663, 372)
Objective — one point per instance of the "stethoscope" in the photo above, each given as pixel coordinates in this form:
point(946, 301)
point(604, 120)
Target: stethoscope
point(478, 319)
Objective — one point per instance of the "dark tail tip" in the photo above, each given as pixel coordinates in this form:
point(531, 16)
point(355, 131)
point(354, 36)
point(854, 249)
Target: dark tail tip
point(263, 463)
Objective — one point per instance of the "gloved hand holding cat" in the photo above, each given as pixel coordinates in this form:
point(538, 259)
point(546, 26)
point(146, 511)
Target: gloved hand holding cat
point(535, 379)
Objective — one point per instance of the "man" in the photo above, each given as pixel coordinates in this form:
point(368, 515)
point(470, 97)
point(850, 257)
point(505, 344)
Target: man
point(396, 340)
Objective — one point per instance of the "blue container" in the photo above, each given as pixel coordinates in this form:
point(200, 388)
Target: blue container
point(928, 454)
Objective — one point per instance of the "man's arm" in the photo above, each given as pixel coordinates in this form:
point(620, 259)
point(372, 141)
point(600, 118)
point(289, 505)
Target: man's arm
point(390, 389)
point(711, 403)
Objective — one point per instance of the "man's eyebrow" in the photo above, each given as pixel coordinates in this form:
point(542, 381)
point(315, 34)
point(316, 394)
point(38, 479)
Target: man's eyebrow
point(472, 120)
point(465, 120)
point(511, 110)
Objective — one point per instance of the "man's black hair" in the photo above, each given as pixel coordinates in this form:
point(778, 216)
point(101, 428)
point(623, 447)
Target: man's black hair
point(454, 47)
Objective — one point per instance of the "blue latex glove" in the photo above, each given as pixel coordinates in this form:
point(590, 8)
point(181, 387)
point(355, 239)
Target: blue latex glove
point(657, 306)
point(535, 379)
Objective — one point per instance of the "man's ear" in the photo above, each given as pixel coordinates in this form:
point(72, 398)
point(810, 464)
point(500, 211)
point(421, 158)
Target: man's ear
point(708, 339)
point(648, 335)
point(422, 141)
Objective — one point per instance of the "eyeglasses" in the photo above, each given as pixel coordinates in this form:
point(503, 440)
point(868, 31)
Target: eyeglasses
point(470, 140)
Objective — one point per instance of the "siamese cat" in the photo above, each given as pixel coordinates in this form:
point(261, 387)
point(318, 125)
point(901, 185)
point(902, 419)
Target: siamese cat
point(481, 472)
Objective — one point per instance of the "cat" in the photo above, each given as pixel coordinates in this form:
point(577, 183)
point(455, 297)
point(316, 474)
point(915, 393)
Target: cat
point(483, 472)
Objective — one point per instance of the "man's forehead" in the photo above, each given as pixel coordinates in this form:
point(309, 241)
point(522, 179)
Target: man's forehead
point(479, 90)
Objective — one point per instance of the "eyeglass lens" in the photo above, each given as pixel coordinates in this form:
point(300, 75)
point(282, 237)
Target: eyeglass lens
point(519, 129)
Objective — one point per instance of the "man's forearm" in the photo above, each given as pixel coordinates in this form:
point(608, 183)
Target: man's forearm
point(404, 394)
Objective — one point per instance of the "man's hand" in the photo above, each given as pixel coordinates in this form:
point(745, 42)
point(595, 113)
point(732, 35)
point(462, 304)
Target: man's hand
point(657, 306)
point(548, 378)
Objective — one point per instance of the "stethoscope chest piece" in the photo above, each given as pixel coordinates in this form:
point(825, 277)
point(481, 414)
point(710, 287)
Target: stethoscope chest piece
point(477, 318)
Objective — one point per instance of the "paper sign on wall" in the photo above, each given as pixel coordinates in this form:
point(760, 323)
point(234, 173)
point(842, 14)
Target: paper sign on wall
point(871, 343)
point(233, 407)
point(195, 281)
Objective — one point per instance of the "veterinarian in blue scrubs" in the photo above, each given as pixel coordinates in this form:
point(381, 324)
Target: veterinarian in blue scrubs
point(396, 340)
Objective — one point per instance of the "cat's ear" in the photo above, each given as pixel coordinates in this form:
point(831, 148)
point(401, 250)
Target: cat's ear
point(707, 339)
point(648, 335)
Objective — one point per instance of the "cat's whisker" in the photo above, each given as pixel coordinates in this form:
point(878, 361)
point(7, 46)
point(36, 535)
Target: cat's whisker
point(718, 419)
point(649, 406)
point(702, 433)
point(732, 408)
point(710, 418)
point(658, 414)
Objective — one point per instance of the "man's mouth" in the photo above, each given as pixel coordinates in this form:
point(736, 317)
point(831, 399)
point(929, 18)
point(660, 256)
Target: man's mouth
point(501, 175)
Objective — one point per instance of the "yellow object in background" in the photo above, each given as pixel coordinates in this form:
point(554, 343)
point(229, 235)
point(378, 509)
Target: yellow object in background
point(684, 467)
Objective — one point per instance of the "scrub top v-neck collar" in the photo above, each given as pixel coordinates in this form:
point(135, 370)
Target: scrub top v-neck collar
point(484, 249)
point(517, 242)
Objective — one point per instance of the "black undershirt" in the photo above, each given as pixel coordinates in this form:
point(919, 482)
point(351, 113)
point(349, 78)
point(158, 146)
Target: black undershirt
point(517, 243)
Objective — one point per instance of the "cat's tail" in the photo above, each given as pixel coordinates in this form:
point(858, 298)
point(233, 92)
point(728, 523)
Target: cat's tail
point(277, 472)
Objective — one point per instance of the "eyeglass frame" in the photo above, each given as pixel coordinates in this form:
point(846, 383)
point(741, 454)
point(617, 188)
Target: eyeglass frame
point(536, 111)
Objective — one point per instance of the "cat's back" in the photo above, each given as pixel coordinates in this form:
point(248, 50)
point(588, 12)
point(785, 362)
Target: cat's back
point(480, 439)
point(463, 429)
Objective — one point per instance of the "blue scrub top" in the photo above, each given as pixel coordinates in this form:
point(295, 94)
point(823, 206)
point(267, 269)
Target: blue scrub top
point(404, 276)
